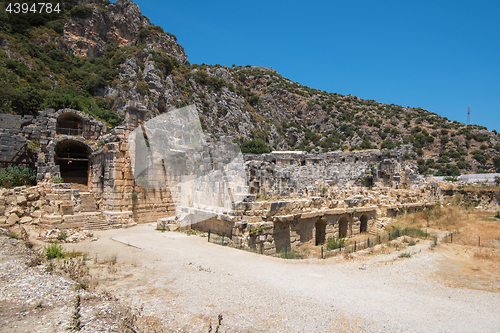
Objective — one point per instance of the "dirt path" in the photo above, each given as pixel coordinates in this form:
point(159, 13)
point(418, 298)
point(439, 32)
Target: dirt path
point(185, 283)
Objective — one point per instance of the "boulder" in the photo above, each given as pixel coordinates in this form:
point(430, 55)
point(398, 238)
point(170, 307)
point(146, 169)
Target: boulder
point(12, 219)
point(21, 199)
point(36, 214)
point(34, 196)
point(25, 219)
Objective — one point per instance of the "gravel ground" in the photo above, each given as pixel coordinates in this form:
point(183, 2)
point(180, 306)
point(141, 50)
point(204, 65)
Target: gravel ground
point(185, 283)
point(33, 300)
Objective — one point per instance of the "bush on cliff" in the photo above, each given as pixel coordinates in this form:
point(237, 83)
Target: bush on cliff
point(255, 147)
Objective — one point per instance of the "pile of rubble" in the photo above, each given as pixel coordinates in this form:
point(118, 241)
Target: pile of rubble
point(66, 236)
point(22, 205)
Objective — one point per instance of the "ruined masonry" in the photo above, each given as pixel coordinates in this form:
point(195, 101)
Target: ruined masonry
point(291, 198)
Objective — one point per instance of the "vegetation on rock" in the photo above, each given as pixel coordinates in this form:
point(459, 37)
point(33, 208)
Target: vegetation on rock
point(264, 111)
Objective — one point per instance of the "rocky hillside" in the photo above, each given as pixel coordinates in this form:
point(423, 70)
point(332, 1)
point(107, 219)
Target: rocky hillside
point(97, 56)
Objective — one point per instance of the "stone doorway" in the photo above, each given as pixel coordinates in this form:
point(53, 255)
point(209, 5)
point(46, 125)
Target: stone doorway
point(73, 160)
point(320, 231)
point(363, 223)
point(343, 227)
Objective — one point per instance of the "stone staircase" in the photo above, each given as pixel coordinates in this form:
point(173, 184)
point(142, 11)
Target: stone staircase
point(68, 208)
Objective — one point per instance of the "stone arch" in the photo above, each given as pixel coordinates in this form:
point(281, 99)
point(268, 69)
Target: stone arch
point(343, 222)
point(69, 123)
point(72, 157)
point(320, 227)
point(363, 225)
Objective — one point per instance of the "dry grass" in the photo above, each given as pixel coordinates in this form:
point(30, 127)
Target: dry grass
point(487, 254)
point(77, 271)
point(470, 267)
point(478, 189)
point(452, 217)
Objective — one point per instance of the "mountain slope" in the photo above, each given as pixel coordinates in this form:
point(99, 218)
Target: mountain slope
point(99, 56)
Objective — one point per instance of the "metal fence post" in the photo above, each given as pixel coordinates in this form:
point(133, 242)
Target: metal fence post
point(368, 242)
point(322, 252)
point(479, 241)
point(451, 238)
point(354, 246)
point(209, 235)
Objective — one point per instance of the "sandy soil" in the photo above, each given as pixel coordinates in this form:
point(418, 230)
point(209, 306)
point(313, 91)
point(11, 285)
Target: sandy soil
point(182, 283)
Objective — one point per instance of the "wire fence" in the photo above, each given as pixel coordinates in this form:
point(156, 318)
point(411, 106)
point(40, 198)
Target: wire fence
point(457, 237)
point(335, 246)
point(220, 239)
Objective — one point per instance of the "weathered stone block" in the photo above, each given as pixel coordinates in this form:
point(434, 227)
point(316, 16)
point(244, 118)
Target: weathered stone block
point(12, 219)
point(25, 219)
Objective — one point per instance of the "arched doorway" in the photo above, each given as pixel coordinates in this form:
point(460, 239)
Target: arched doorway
point(70, 124)
point(320, 231)
point(363, 223)
point(73, 160)
point(343, 227)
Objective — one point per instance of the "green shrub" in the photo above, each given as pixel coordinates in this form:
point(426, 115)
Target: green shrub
point(448, 170)
point(57, 26)
point(81, 11)
point(443, 159)
point(496, 161)
point(464, 165)
point(201, 77)
point(54, 250)
point(142, 88)
point(451, 179)
point(167, 64)
point(388, 144)
point(480, 156)
point(480, 137)
point(414, 232)
point(367, 145)
point(445, 139)
point(255, 147)
point(17, 175)
point(57, 180)
point(333, 243)
point(218, 83)
point(12, 235)
point(62, 235)
point(67, 96)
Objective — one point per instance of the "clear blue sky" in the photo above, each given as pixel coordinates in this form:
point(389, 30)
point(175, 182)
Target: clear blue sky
point(442, 56)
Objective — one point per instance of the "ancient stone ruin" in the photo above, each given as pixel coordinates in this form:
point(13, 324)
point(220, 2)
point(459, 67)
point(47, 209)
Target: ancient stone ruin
point(281, 199)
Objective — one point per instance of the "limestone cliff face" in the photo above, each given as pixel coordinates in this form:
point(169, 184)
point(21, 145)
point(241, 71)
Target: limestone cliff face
point(118, 22)
point(255, 102)
point(223, 111)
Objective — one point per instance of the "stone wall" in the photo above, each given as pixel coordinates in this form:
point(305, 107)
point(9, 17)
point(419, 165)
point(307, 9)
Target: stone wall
point(299, 173)
point(110, 177)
